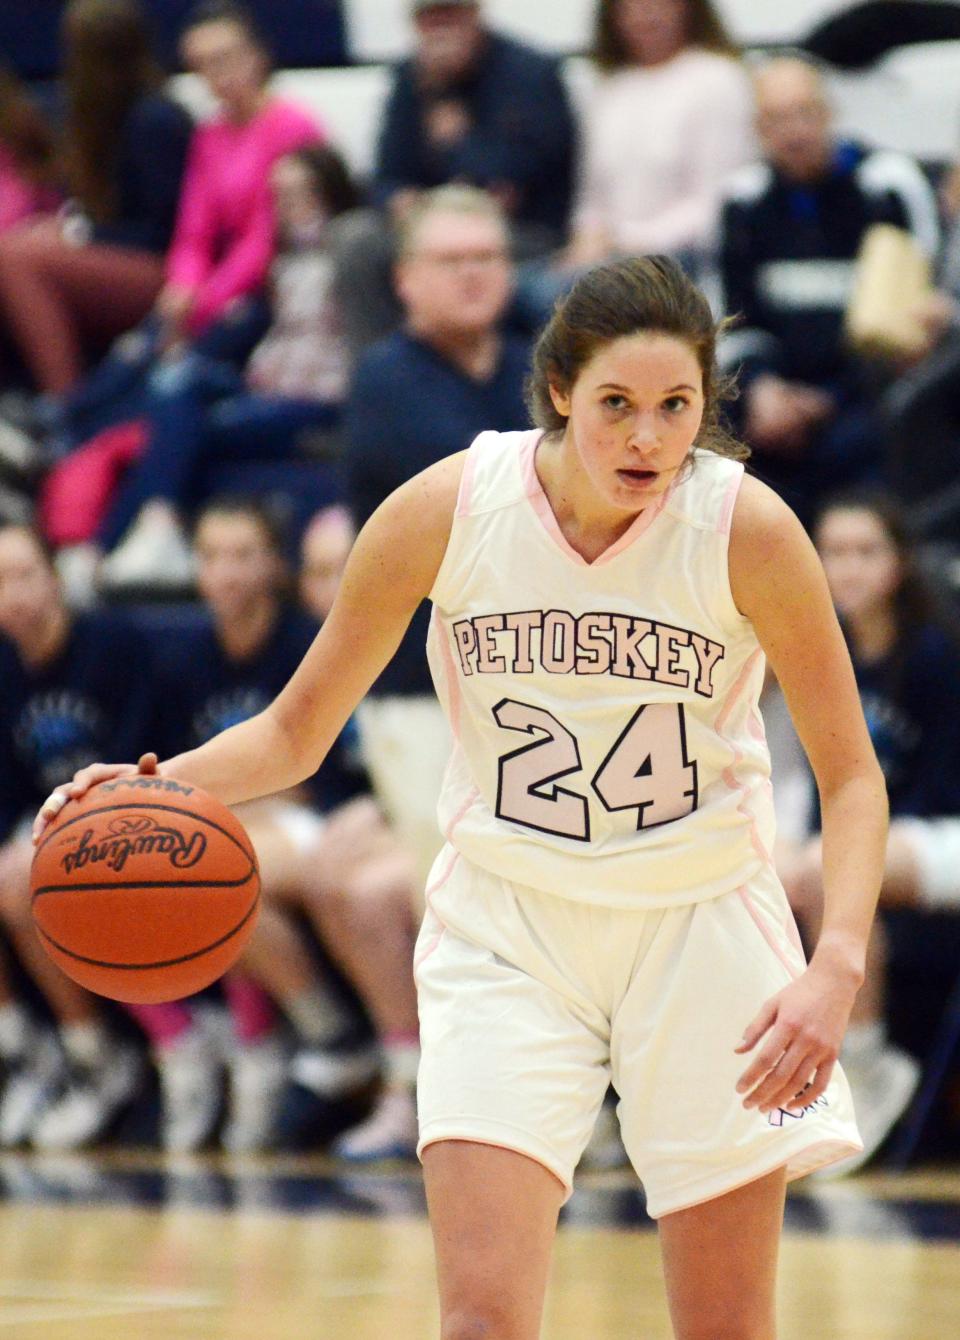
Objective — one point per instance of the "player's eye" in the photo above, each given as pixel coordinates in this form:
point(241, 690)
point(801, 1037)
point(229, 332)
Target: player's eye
point(615, 401)
point(674, 404)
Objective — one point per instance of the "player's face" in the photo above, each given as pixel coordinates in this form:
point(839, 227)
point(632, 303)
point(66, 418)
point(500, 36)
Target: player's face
point(236, 566)
point(632, 417)
point(456, 279)
point(29, 591)
point(651, 30)
point(324, 556)
point(860, 559)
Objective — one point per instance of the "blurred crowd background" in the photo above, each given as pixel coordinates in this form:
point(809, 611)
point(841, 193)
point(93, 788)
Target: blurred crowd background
point(261, 264)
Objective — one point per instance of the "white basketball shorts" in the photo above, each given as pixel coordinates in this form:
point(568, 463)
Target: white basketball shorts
point(531, 1003)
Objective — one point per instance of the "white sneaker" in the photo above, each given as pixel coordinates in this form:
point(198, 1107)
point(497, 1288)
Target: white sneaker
point(882, 1086)
point(153, 553)
point(258, 1075)
point(191, 1091)
point(32, 1080)
point(390, 1131)
point(90, 1098)
point(76, 566)
point(335, 1072)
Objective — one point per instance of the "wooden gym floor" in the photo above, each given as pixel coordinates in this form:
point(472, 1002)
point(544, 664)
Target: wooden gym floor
point(98, 1247)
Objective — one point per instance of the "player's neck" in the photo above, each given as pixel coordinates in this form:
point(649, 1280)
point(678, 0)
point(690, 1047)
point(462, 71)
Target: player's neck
point(248, 630)
point(588, 524)
point(474, 352)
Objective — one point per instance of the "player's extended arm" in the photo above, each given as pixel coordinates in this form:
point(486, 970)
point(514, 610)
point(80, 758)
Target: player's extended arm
point(779, 584)
point(391, 570)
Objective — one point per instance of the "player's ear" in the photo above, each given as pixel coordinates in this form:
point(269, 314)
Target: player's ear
point(561, 400)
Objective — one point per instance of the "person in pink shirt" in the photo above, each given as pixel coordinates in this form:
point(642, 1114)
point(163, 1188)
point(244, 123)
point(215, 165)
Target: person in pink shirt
point(670, 118)
point(26, 157)
point(224, 239)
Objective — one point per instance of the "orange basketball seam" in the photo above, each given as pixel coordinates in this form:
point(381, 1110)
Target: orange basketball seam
point(109, 886)
point(162, 963)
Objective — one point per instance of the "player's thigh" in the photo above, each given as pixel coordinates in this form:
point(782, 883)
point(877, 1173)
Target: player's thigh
point(494, 1217)
point(720, 1262)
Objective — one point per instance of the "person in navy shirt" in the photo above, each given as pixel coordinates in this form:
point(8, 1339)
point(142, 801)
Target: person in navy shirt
point(417, 396)
point(906, 658)
point(74, 686)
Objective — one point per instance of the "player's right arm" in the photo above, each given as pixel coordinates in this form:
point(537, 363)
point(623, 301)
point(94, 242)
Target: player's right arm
point(391, 569)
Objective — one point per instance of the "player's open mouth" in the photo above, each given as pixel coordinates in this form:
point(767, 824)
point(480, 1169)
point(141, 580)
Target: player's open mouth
point(637, 476)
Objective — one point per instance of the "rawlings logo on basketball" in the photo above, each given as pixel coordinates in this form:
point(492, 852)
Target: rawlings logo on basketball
point(135, 835)
point(130, 823)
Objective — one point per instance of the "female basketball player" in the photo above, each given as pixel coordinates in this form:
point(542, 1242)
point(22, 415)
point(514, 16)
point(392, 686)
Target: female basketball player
point(604, 590)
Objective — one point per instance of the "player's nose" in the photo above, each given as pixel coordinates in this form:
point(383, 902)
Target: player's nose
point(643, 431)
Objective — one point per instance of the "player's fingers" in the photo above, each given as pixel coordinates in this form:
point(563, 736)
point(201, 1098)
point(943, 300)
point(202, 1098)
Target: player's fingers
point(48, 811)
point(812, 1091)
point(784, 1081)
point(147, 763)
point(755, 1030)
point(766, 1058)
point(96, 773)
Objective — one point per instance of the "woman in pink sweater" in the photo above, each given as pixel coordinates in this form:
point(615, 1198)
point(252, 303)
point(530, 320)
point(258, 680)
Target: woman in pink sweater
point(224, 239)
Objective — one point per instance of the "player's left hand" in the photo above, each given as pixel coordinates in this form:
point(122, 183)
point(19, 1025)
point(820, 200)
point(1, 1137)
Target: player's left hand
point(802, 1028)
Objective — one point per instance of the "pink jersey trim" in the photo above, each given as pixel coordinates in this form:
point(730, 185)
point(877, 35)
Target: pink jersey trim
point(541, 506)
point(465, 492)
point(729, 774)
point(729, 501)
point(430, 890)
point(439, 634)
point(766, 932)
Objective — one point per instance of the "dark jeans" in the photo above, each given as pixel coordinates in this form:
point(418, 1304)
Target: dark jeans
point(116, 390)
point(201, 413)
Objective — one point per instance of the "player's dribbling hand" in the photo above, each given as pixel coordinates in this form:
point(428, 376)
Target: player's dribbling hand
point(81, 784)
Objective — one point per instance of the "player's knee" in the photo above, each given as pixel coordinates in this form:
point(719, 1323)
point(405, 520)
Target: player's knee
point(481, 1321)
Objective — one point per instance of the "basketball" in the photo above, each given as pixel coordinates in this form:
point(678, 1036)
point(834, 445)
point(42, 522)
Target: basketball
point(144, 890)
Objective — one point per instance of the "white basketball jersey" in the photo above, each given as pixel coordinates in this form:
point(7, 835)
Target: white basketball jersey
point(607, 742)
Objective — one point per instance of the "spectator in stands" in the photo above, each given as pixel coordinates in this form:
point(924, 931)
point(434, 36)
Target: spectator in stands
point(906, 656)
point(362, 900)
point(225, 235)
point(921, 408)
point(201, 412)
point(453, 276)
point(324, 547)
point(468, 106)
point(669, 67)
point(28, 177)
point(73, 688)
point(97, 269)
point(790, 231)
point(344, 872)
point(213, 674)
